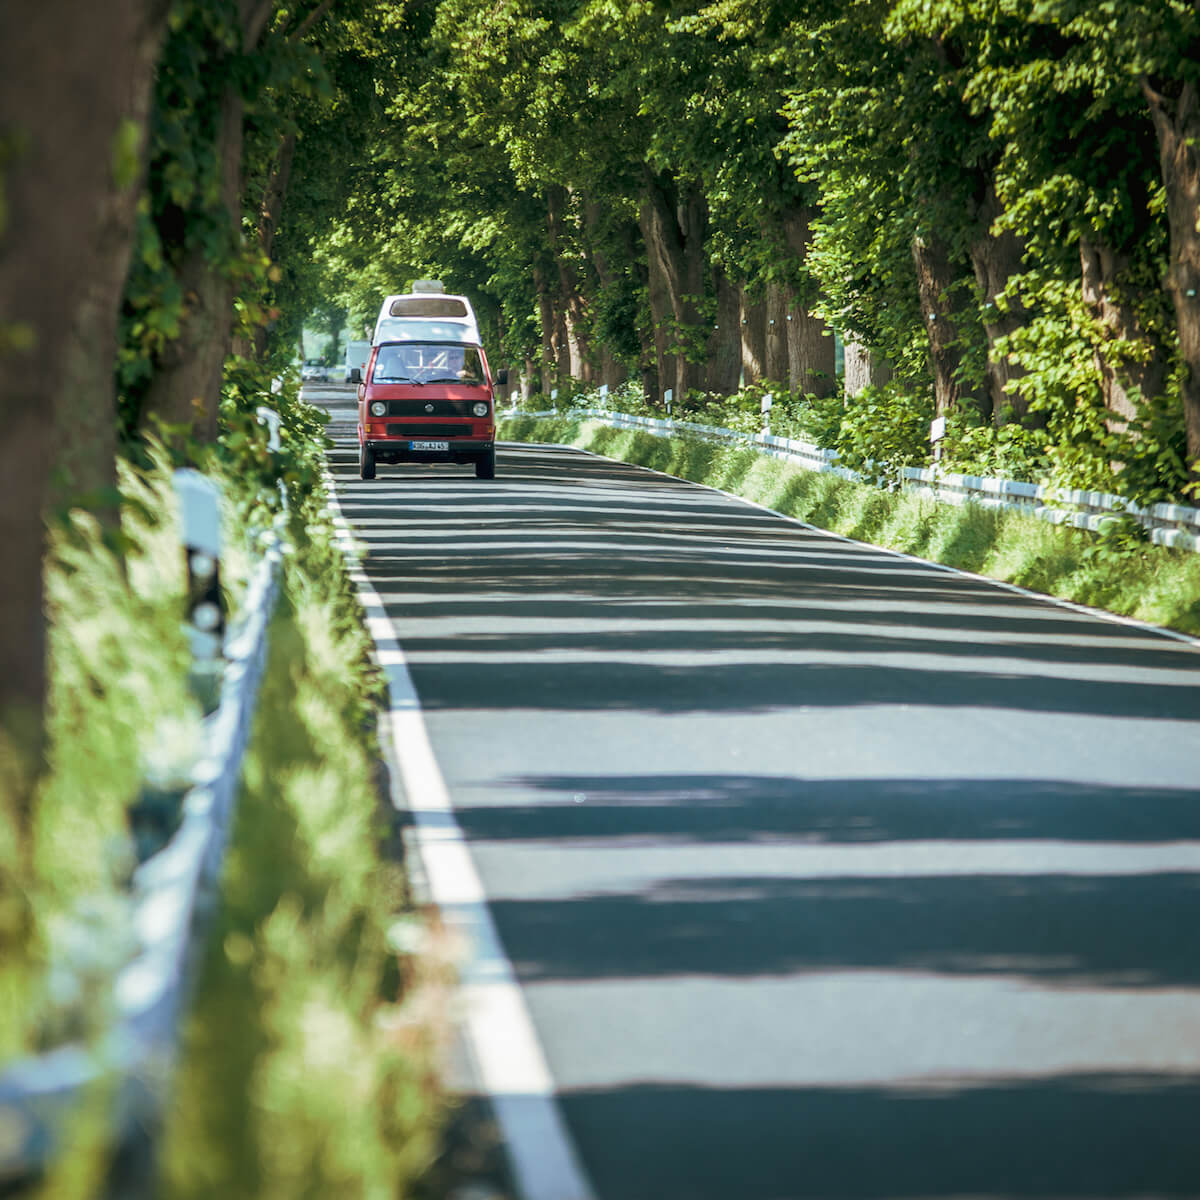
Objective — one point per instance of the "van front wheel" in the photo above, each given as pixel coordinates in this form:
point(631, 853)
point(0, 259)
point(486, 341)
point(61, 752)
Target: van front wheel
point(485, 468)
point(366, 461)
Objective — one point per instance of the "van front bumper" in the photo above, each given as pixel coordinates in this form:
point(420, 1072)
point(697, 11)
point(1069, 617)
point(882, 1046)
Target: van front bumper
point(408, 449)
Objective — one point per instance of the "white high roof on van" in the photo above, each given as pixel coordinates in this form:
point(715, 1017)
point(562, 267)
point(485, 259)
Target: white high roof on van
point(426, 313)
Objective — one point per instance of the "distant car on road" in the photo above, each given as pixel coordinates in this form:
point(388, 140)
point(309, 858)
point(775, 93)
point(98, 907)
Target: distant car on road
point(314, 372)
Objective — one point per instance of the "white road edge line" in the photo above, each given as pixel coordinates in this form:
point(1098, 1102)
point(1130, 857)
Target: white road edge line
point(509, 1061)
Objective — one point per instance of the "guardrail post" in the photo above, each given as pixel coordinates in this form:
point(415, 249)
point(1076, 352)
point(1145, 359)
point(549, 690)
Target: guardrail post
point(765, 408)
point(200, 518)
point(270, 418)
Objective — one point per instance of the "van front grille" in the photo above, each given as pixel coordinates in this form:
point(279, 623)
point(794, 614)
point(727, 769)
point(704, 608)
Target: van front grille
point(428, 430)
point(430, 408)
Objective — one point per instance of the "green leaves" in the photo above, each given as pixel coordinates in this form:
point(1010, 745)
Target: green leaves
point(126, 157)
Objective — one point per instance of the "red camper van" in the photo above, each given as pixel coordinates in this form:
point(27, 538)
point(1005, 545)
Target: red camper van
point(427, 395)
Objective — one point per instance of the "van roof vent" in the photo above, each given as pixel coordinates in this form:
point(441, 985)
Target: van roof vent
point(428, 285)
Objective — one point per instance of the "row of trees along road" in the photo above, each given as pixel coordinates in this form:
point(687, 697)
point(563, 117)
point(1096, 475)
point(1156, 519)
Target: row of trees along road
point(993, 202)
point(148, 149)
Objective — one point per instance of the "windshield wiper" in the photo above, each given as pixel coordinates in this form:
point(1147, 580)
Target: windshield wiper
point(399, 379)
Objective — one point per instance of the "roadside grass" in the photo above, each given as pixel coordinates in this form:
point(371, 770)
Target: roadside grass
point(117, 651)
point(1135, 579)
point(308, 1065)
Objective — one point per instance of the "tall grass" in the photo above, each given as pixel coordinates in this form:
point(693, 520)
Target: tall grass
point(1150, 583)
point(119, 708)
point(308, 1066)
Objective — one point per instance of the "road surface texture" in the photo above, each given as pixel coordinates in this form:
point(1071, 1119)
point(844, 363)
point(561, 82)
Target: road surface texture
point(823, 872)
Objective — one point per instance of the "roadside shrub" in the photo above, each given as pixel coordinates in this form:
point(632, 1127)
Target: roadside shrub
point(886, 428)
point(1010, 452)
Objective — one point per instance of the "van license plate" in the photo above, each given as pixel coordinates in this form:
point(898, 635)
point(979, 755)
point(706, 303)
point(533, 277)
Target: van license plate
point(429, 445)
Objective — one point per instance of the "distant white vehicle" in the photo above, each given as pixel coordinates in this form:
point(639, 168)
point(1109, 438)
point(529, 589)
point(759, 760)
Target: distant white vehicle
point(427, 313)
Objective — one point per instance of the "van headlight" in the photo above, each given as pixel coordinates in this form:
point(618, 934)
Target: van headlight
point(378, 409)
point(480, 410)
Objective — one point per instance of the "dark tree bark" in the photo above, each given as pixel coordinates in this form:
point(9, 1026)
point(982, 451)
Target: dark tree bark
point(75, 85)
point(613, 372)
point(549, 357)
point(996, 258)
point(560, 339)
point(185, 390)
point(662, 365)
point(1102, 269)
point(725, 343)
point(1177, 124)
point(812, 361)
point(269, 214)
point(812, 357)
point(570, 296)
point(754, 338)
point(650, 338)
point(674, 224)
point(943, 313)
point(776, 367)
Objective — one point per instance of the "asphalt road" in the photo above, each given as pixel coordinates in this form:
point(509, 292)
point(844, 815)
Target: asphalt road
point(824, 873)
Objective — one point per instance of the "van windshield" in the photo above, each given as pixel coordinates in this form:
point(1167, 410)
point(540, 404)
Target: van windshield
point(428, 362)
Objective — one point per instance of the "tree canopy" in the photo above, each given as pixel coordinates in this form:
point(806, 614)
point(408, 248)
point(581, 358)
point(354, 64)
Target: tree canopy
point(991, 205)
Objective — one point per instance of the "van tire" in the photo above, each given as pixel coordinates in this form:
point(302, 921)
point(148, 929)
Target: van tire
point(485, 468)
point(366, 461)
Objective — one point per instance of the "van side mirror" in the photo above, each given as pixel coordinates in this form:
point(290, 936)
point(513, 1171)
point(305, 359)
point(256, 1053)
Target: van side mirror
point(502, 377)
point(355, 375)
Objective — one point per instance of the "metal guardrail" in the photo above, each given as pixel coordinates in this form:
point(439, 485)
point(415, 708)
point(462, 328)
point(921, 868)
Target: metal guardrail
point(174, 889)
point(1173, 525)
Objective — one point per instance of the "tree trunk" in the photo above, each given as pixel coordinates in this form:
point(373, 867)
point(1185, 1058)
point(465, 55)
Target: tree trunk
point(185, 390)
point(1123, 373)
point(812, 360)
point(943, 316)
point(75, 85)
point(725, 343)
point(549, 360)
point(269, 214)
point(561, 340)
point(777, 341)
point(1177, 123)
point(658, 291)
point(674, 224)
point(864, 369)
point(754, 338)
point(613, 372)
point(996, 258)
point(571, 299)
point(812, 357)
point(650, 338)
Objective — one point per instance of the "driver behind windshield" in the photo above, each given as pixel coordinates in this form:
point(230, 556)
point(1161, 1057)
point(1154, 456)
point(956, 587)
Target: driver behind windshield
point(429, 363)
